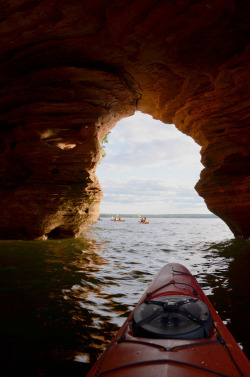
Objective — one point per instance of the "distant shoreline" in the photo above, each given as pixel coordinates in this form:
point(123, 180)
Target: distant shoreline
point(175, 216)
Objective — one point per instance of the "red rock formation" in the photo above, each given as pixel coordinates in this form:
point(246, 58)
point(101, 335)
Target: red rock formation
point(70, 70)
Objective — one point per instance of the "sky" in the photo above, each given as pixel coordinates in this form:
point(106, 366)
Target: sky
point(150, 168)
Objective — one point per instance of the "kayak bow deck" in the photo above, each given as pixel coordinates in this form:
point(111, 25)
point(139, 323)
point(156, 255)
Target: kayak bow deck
point(174, 331)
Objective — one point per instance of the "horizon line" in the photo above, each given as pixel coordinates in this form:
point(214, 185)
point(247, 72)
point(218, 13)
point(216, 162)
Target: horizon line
point(161, 215)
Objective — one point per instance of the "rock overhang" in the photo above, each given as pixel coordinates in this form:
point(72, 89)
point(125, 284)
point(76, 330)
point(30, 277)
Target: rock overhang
point(70, 71)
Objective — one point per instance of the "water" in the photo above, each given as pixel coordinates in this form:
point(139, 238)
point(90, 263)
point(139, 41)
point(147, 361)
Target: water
point(62, 301)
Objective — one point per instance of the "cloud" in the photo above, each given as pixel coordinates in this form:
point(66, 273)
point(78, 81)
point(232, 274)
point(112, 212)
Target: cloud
point(144, 128)
point(141, 141)
point(149, 196)
point(150, 167)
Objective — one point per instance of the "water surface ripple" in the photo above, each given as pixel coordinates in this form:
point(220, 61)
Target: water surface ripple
point(62, 301)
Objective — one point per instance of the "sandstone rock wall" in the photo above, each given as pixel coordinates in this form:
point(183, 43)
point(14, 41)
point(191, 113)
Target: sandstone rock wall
point(70, 70)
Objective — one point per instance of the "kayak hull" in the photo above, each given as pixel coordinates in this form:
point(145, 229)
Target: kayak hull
point(138, 356)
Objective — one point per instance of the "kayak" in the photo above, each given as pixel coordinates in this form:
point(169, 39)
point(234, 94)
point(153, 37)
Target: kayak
point(144, 222)
point(118, 220)
point(174, 331)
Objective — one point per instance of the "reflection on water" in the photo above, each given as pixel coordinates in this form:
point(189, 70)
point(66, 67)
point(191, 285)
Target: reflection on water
point(47, 312)
point(230, 289)
point(62, 301)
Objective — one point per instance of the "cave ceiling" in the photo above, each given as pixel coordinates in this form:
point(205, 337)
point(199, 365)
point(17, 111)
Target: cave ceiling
point(70, 70)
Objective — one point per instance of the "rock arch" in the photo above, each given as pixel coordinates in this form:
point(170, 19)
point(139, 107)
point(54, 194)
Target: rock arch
point(70, 70)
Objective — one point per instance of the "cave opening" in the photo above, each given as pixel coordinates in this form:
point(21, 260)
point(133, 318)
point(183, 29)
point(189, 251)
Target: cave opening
point(151, 168)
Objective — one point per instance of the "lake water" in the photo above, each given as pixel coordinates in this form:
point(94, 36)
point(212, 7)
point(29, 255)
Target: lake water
point(62, 301)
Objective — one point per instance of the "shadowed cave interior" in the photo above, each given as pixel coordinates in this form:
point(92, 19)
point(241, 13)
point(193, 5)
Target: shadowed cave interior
point(69, 72)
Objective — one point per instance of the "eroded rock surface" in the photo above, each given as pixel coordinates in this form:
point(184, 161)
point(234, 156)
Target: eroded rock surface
point(70, 70)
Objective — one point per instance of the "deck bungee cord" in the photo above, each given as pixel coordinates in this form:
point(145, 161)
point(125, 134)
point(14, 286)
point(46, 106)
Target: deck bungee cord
point(174, 318)
point(122, 339)
point(171, 349)
point(183, 273)
point(172, 283)
point(160, 361)
point(174, 348)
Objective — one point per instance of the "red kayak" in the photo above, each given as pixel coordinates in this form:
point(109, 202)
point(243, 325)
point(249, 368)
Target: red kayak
point(174, 331)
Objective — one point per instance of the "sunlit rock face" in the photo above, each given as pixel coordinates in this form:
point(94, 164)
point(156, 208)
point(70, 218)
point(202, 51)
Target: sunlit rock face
point(71, 70)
